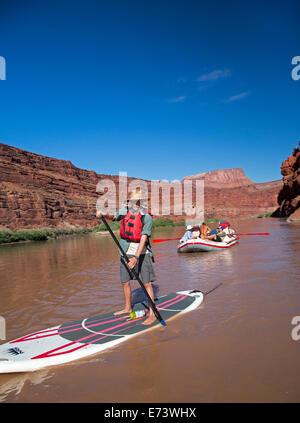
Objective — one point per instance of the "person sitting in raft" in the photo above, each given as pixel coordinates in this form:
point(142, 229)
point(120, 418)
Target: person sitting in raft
point(223, 224)
point(226, 228)
point(195, 231)
point(188, 235)
point(205, 230)
point(219, 236)
point(230, 232)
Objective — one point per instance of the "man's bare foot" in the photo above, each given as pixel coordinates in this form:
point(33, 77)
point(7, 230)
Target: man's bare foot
point(124, 311)
point(151, 319)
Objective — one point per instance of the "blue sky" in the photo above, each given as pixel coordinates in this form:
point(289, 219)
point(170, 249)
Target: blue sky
point(160, 89)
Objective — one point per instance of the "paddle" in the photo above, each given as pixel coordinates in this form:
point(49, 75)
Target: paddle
point(255, 234)
point(163, 240)
point(125, 260)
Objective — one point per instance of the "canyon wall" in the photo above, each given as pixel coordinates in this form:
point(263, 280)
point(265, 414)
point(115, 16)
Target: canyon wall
point(225, 177)
point(289, 195)
point(38, 191)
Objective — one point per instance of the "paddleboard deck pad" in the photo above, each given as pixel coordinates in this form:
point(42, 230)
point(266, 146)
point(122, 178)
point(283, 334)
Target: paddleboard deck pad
point(75, 340)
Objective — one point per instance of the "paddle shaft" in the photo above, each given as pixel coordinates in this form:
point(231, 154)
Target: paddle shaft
point(163, 240)
point(254, 234)
point(125, 261)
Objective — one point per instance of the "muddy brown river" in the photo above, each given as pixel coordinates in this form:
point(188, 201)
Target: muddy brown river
point(236, 347)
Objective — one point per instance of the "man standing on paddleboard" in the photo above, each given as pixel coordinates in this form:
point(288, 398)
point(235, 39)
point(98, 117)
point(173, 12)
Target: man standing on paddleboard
point(135, 231)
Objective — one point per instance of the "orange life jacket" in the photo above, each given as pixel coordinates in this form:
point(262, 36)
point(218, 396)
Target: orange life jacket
point(131, 226)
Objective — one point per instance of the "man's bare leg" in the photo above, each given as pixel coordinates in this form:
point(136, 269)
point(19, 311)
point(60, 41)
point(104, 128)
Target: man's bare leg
point(127, 294)
point(151, 317)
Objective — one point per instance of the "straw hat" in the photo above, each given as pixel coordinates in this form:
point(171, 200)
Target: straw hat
point(137, 195)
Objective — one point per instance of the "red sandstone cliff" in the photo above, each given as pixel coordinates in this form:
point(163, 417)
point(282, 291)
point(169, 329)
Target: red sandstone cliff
point(225, 177)
point(289, 195)
point(38, 191)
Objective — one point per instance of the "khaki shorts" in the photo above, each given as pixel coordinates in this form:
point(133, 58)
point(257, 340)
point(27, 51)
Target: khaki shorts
point(143, 268)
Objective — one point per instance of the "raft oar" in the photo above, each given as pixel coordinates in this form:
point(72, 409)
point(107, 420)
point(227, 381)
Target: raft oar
point(167, 239)
point(176, 239)
point(125, 261)
point(255, 234)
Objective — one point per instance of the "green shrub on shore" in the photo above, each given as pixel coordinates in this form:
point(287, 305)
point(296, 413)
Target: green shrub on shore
point(211, 221)
point(269, 214)
point(114, 226)
point(181, 223)
point(162, 222)
point(21, 235)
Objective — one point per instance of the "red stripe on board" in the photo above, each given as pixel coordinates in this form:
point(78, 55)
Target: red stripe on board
point(48, 353)
point(29, 337)
point(174, 302)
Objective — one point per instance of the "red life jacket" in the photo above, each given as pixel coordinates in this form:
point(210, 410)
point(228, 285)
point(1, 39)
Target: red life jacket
point(131, 226)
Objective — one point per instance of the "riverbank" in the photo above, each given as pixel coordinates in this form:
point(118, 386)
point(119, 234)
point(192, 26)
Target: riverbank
point(8, 236)
point(22, 235)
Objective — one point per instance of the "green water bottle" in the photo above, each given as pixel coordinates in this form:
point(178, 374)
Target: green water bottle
point(137, 314)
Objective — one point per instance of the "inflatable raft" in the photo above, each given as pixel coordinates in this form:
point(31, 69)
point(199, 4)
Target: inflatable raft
point(199, 245)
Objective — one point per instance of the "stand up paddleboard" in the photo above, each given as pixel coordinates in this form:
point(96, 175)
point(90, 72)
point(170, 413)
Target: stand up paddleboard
point(72, 341)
